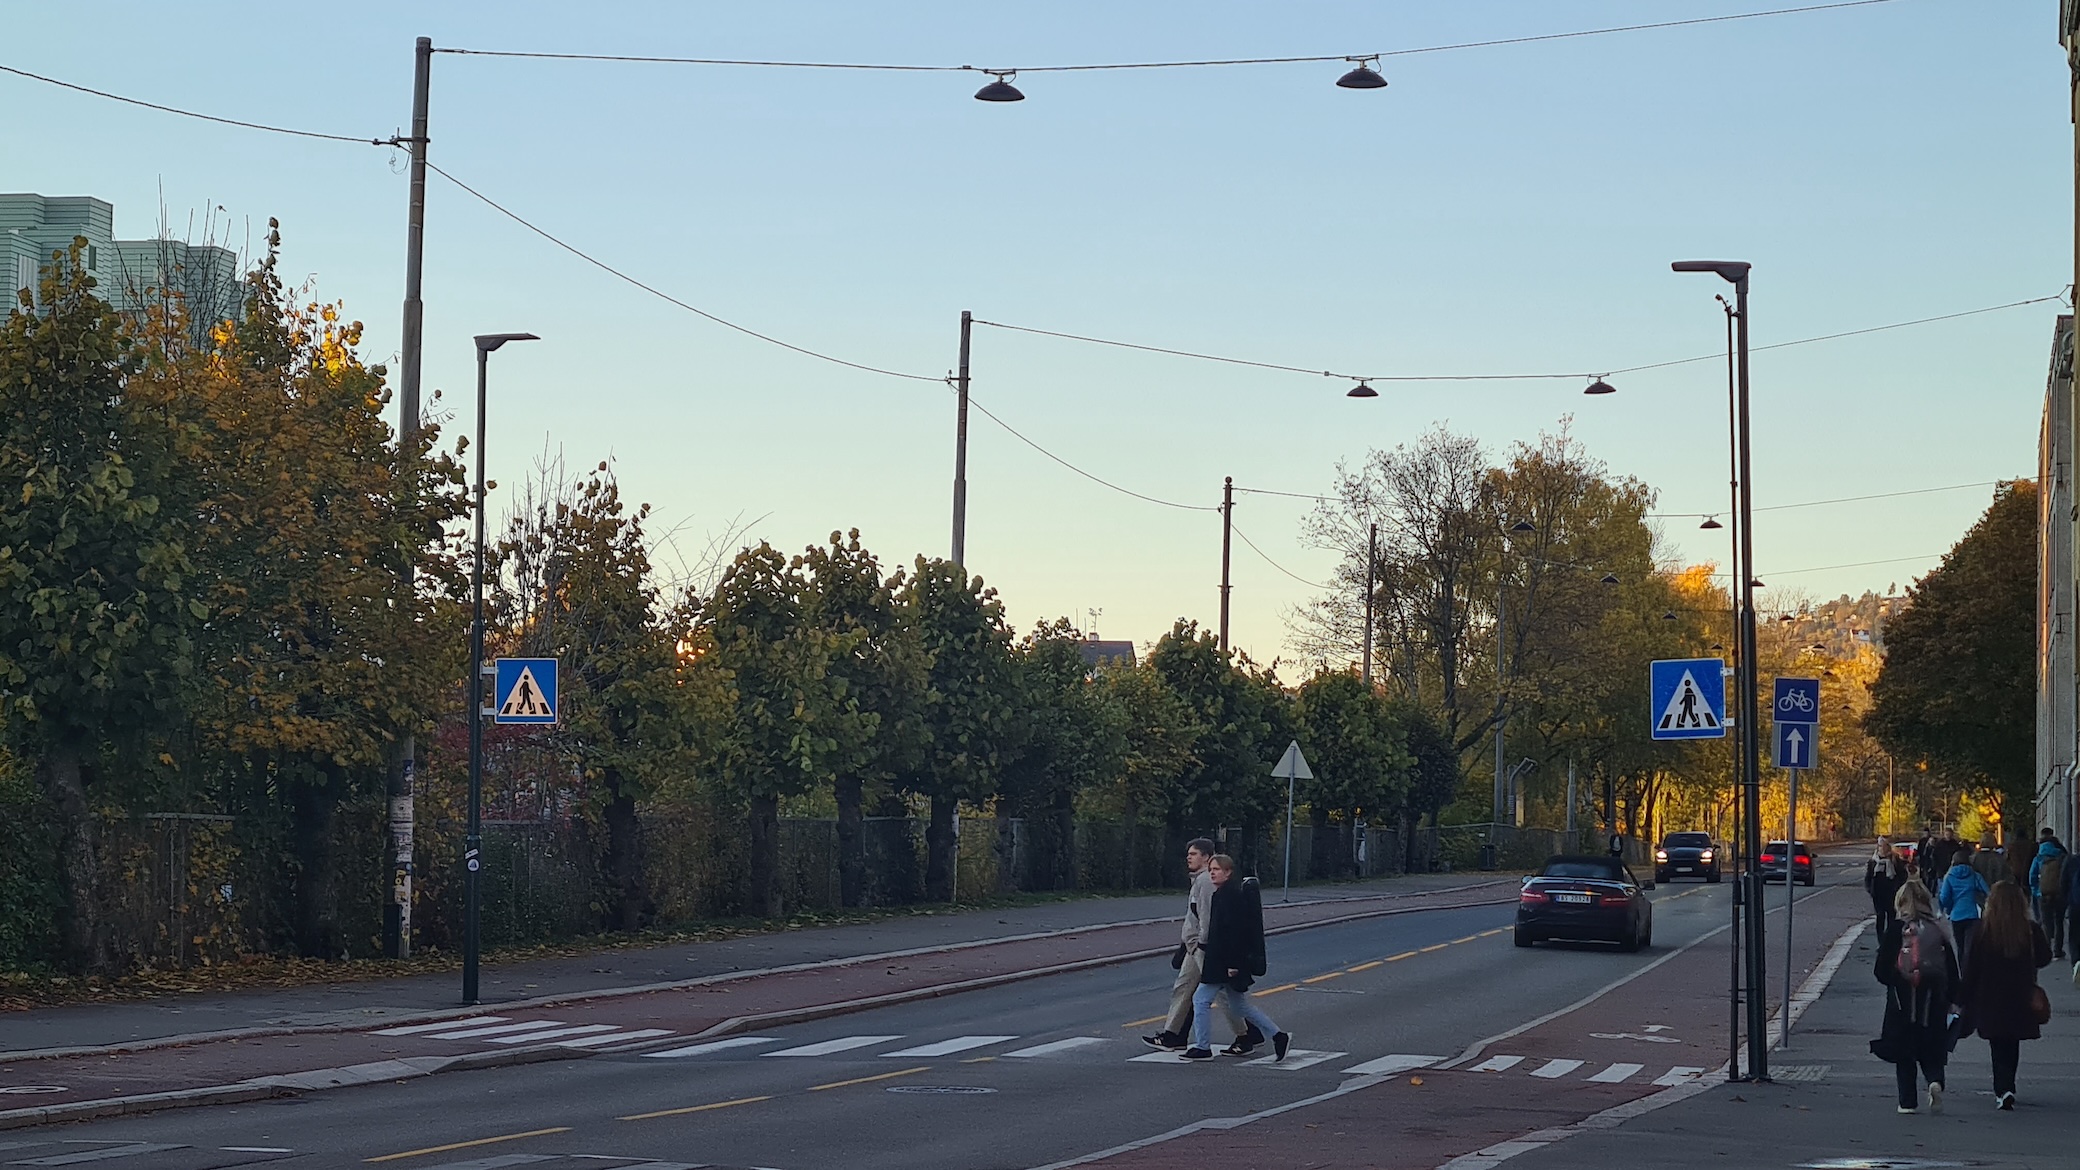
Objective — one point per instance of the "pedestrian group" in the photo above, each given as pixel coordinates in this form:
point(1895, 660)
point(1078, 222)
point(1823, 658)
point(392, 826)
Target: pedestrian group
point(1219, 956)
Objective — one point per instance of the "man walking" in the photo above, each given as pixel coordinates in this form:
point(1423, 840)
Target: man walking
point(2047, 887)
point(1177, 1026)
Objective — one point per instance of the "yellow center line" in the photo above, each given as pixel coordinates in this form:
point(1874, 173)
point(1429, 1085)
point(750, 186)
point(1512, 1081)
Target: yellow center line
point(1324, 978)
point(1469, 938)
point(978, 1060)
point(1144, 1023)
point(1365, 966)
point(1438, 947)
point(509, 1137)
point(1401, 956)
point(864, 1080)
point(1276, 990)
point(1494, 932)
point(696, 1108)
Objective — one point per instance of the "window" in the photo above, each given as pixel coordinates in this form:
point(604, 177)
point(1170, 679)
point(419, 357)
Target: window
point(93, 258)
point(24, 277)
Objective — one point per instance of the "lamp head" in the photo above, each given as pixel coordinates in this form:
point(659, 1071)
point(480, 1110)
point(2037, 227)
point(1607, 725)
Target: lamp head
point(1711, 522)
point(1610, 578)
point(1522, 526)
point(1599, 386)
point(489, 342)
point(1364, 76)
point(1734, 272)
point(1361, 390)
point(1000, 90)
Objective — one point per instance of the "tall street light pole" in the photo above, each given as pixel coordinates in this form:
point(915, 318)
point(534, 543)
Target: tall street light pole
point(472, 855)
point(1227, 538)
point(1735, 272)
point(960, 447)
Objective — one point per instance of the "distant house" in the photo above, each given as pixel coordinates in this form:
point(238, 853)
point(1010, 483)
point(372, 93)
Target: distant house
point(1097, 652)
point(130, 274)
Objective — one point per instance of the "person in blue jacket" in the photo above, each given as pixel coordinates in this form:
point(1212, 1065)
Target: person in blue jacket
point(2047, 889)
point(1962, 895)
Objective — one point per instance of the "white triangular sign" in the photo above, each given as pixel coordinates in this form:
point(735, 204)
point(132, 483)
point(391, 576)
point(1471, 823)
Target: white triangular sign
point(526, 698)
point(1687, 709)
point(1293, 764)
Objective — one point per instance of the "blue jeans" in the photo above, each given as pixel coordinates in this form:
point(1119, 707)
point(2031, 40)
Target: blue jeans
point(1241, 1004)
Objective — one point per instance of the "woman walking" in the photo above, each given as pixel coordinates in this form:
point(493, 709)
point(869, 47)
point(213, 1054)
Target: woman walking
point(1963, 898)
point(1232, 950)
point(1919, 971)
point(2000, 996)
point(1883, 874)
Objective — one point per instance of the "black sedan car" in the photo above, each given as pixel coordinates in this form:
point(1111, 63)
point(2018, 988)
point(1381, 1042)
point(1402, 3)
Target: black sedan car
point(1687, 855)
point(1592, 899)
point(1773, 855)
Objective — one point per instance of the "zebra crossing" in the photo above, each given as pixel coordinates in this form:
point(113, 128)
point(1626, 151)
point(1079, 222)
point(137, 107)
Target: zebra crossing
point(501, 1030)
point(1617, 1073)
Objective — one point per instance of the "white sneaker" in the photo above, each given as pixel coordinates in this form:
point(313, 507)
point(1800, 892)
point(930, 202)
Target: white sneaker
point(1935, 1098)
point(1906, 1109)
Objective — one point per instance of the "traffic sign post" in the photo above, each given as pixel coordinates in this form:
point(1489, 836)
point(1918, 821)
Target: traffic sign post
point(1795, 710)
point(1688, 697)
point(1293, 766)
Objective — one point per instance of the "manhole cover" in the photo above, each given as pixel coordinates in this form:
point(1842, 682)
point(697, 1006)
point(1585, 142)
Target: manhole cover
point(29, 1089)
point(1875, 1164)
point(955, 1089)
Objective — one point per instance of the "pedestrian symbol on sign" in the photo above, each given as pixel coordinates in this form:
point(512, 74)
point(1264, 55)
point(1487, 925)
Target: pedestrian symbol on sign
point(1687, 709)
point(525, 698)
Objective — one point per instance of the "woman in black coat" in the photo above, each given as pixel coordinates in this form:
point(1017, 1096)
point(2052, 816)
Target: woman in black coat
point(2000, 984)
point(1916, 1031)
point(1883, 874)
point(1232, 952)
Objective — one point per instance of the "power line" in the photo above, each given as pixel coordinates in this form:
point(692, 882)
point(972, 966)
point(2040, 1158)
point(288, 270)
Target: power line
point(1288, 495)
point(1955, 487)
point(881, 67)
point(176, 110)
point(1274, 564)
point(1848, 333)
point(609, 269)
point(1014, 432)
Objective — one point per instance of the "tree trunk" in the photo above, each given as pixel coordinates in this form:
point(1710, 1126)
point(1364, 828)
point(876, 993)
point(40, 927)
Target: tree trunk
point(312, 805)
point(1321, 844)
point(63, 781)
point(941, 850)
point(765, 857)
point(629, 907)
point(852, 851)
point(1064, 853)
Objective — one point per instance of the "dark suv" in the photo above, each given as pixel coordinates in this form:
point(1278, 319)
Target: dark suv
point(1773, 858)
point(1687, 855)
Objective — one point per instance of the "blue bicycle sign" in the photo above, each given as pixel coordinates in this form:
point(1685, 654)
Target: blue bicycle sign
point(1797, 700)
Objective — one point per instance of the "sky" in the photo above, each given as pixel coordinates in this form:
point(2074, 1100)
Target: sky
point(1503, 209)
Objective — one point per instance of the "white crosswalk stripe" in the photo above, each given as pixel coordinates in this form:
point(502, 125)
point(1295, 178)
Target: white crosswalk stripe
point(1679, 1075)
point(827, 1047)
point(442, 1026)
point(614, 1038)
point(1616, 1074)
point(706, 1047)
point(948, 1047)
point(1555, 1069)
point(1054, 1046)
point(1296, 1059)
point(1498, 1063)
point(554, 1033)
point(1387, 1066)
point(494, 1030)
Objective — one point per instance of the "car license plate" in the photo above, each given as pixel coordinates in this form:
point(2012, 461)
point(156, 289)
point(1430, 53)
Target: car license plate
point(1682, 869)
point(1577, 899)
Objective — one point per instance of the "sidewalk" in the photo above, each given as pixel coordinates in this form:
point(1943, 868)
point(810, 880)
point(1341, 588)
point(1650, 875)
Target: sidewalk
point(350, 1004)
point(598, 1012)
point(1831, 1104)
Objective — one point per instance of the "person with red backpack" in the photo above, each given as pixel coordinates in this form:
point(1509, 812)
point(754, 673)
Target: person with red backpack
point(1919, 970)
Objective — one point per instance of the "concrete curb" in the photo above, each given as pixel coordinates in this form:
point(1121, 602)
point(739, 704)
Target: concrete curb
point(411, 1068)
point(543, 1001)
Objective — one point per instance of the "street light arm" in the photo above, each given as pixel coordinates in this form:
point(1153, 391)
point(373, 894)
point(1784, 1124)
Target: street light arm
point(1734, 272)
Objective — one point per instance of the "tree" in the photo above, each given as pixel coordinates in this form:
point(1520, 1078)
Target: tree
point(781, 717)
point(1358, 753)
point(1243, 722)
point(96, 624)
point(1958, 687)
point(885, 680)
point(1434, 778)
point(969, 716)
point(1073, 737)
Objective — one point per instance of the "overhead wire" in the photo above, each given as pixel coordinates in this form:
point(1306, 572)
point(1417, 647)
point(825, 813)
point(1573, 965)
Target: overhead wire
point(176, 110)
point(1274, 564)
point(1099, 480)
point(1955, 487)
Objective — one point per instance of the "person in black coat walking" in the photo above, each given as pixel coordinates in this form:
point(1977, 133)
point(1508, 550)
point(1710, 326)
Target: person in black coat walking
point(1883, 874)
point(1919, 970)
point(1233, 952)
point(2000, 984)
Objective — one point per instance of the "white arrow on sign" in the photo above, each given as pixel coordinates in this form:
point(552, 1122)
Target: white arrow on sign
point(1293, 765)
point(1797, 741)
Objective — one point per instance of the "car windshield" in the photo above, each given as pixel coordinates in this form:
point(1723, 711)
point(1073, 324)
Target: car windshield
point(1600, 870)
point(1689, 841)
point(1773, 847)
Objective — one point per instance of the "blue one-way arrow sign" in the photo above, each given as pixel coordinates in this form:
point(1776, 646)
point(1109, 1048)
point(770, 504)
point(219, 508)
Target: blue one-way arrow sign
point(1797, 744)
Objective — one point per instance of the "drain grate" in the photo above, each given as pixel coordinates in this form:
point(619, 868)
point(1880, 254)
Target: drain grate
point(941, 1089)
point(1800, 1072)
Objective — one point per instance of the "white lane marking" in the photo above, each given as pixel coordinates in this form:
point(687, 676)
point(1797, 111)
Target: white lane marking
point(947, 1047)
point(713, 1046)
point(1498, 1063)
point(444, 1025)
point(615, 1038)
point(100, 1155)
point(1616, 1074)
point(1554, 1069)
point(826, 1047)
point(495, 1162)
point(495, 1030)
point(1391, 1065)
point(554, 1033)
point(1296, 1058)
point(1679, 1075)
point(1159, 1058)
point(1052, 1047)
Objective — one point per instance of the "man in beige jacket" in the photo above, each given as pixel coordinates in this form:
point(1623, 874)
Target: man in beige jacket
point(1177, 1027)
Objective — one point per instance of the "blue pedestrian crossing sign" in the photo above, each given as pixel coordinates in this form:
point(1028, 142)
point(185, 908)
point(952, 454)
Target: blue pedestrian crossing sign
point(1798, 744)
point(1688, 698)
point(525, 691)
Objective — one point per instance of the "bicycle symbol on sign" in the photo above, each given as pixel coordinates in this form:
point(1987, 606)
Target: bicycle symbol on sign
point(1795, 701)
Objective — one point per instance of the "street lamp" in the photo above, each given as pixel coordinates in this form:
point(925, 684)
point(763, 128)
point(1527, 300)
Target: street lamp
point(472, 856)
point(1735, 272)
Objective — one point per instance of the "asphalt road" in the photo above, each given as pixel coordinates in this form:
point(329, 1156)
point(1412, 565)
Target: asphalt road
point(1018, 1076)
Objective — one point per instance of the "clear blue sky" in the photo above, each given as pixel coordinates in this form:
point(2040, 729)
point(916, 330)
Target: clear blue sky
point(1510, 208)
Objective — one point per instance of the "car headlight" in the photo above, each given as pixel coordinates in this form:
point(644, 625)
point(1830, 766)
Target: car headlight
point(1661, 855)
point(1705, 856)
